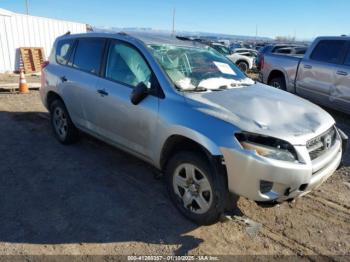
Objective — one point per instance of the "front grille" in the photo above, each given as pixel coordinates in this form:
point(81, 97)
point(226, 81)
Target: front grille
point(322, 143)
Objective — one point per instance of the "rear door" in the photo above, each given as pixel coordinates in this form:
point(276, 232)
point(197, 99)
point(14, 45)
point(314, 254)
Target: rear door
point(79, 95)
point(57, 70)
point(340, 94)
point(317, 73)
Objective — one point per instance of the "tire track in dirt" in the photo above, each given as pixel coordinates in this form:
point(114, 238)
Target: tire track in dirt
point(330, 203)
point(326, 214)
point(300, 249)
point(317, 207)
point(289, 243)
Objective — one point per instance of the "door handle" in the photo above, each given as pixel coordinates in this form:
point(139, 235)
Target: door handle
point(63, 79)
point(342, 73)
point(307, 66)
point(102, 92)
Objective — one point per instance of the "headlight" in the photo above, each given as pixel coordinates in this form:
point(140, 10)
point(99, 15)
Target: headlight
point(268, 146)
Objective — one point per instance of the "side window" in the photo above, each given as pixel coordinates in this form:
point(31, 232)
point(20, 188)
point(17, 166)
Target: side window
point(300, 51)
point(126, 65)
point(284, 51)
point(88, 54)
point(347, 58)
point(63, 50)
point(329, 51)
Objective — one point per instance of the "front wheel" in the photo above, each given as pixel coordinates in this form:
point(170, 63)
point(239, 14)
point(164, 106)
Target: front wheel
point(196, 188)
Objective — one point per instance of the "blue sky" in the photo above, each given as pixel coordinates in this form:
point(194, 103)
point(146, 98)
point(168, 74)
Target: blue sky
point(304, 18)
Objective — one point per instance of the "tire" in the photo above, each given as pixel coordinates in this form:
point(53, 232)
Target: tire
point(278, 82)
point(202, 202)
point(243, 66)
point(62, 125)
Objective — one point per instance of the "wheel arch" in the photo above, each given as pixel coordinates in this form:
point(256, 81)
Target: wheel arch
point(276, 73)
point(242, 60)
point(177, 143)
point(52, 96)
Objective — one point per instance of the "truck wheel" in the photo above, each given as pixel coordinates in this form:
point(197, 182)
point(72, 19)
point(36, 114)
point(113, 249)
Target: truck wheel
point(278, 82)
point(62, 125)
point(196, 188)
point(243, 66)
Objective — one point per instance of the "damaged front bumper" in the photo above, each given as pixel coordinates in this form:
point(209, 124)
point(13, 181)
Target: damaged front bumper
point(267, 180)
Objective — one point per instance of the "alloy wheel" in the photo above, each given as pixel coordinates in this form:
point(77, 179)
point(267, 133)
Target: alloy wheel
point(192, 186)
point(60, 122)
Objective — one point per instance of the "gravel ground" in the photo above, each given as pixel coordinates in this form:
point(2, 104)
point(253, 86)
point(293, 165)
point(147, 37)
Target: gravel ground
point(90, 198)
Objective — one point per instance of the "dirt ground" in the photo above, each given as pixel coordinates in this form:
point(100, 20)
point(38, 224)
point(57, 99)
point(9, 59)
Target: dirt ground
point(92, 199)
point(14, 78)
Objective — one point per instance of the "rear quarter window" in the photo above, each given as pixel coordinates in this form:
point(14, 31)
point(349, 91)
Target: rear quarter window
point(329, 51)
point(63, 50)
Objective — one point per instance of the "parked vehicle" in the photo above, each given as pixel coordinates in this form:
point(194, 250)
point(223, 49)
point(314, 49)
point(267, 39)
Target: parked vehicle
point(278, 48)
point(246, 52)
point(322, 75)
point(189, 111)
point(235, 45)
point(244, 62)
point(242, 50)
point(291, 50)
point(258, 46)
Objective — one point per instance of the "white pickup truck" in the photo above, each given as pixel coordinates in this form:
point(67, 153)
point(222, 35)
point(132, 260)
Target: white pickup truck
point(322, 75)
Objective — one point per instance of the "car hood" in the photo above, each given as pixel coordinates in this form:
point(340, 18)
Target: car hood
point(264, 110)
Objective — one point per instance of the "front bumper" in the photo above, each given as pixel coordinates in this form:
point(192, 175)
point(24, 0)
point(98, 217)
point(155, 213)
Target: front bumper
point(247, 171)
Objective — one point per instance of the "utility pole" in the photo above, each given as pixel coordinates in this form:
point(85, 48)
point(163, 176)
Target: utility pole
point(173, 32)
point(27, 7)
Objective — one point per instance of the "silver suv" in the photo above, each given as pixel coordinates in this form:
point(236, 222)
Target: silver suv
point(191, 113)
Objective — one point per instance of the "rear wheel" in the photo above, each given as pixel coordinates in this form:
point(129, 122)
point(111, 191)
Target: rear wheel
point(196, 188)
point(62, 125)
point(243, 66)
point(278, 82)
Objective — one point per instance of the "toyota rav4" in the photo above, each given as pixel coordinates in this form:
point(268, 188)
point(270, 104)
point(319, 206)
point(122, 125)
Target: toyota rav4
point(191, 113)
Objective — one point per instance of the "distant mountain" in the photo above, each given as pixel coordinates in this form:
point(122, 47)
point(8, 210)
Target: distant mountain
point(183, 33)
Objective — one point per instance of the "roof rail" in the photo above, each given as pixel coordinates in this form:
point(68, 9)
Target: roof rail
point(122, 33)
point(193, 39)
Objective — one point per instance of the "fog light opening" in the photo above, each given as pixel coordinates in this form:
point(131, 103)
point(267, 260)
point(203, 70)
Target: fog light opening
point(303, 187)
point(265, 186)
point(287, 192)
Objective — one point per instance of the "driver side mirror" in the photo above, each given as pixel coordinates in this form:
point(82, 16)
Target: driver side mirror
point(139, 93)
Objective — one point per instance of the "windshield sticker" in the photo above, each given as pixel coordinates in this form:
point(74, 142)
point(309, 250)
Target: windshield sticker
point(224, 68)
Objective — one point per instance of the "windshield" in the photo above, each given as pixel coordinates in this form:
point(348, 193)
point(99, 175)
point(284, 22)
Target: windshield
point(198, 69)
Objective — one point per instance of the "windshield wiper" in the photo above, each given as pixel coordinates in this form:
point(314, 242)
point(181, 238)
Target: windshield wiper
point(196, 89)
point(200, 89)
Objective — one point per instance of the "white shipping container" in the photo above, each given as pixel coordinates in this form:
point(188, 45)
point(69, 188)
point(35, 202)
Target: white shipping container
point(19, 30)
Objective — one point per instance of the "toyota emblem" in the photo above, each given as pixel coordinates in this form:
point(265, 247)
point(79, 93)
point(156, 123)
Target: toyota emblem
point(327, 141)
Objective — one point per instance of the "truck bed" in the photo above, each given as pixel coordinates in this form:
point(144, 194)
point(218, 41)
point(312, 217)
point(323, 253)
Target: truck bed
point(287, 64)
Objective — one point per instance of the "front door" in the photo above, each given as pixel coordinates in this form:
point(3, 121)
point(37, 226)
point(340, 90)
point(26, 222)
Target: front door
point(131, 126)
